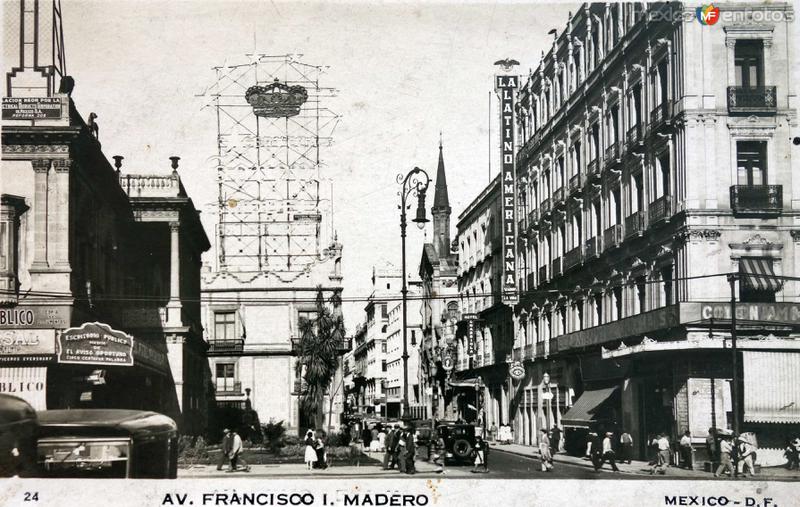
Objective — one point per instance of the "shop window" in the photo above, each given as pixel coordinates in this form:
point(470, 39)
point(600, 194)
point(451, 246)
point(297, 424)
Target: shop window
point(751, 162)
point(11, 207)
point(749, 62)
point(224, 326)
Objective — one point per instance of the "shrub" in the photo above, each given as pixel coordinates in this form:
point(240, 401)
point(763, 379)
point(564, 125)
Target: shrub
point(292, 440)
point(274, 434)
point(339, 439)
point(192, 450)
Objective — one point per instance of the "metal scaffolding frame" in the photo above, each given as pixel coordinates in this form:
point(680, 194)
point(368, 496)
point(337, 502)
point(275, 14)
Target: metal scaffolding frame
point(274, 209)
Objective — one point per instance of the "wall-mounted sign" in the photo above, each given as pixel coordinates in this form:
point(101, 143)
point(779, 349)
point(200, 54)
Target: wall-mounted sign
point(33, 317)
point(470, 318)
point(447, 363)
point(506, 86)
point(27, 345)
point(516, 370)
point(27, 383)
point(31, 108)
point(95, 343)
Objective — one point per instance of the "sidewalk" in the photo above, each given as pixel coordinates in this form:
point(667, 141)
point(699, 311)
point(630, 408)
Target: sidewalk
point(638, 467)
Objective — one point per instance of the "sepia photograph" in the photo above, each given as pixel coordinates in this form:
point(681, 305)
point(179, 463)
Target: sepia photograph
point(513, 252)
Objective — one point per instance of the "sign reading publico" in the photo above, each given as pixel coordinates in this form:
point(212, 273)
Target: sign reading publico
point(30, 384)
point(506, 86)
point(95, 343)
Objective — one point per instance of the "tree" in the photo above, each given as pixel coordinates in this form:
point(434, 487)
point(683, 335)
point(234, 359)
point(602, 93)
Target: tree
point(320, 339)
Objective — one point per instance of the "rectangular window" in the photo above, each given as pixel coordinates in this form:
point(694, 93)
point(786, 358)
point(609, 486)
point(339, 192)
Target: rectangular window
point(757, 289)
point(224, 326)
point(666, 278)
point(641, 294)
point(595, 137)
point(751, 162)
point(226, 376)
point(749, 62)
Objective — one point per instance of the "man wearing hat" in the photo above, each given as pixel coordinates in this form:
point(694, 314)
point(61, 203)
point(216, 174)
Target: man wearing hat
point(608, 454)
point(226, 448)
point(725, 450)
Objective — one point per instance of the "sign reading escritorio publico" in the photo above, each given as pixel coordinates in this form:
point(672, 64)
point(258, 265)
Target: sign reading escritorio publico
point(95, 343)
point(506, 85)
point(31, 108)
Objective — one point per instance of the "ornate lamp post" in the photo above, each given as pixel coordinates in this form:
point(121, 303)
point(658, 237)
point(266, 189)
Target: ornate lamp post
point(415, 182)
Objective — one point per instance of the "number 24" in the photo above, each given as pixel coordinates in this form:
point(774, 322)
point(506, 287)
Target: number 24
point(31, 496)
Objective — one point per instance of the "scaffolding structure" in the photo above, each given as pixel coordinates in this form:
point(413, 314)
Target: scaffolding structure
point(274, 206)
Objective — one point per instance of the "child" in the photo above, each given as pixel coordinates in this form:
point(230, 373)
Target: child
point(311, 453)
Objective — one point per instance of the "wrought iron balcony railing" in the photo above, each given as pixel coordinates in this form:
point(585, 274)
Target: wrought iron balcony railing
point(757, 199)
point(591, 248)
point(634, 138)
point(612, 154)
point(572, 258)
point(547, 206)
point(612, 236)
point(761, 99)
point(660, 116)
point(559, 196)
point(533, 219)
point(235, 345)
point(635, 224)
point(660, 209)
point(556, 269)
point(593, 168)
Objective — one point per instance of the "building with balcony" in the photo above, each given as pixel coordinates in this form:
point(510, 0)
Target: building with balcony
point(675, 137)
point(438, 271)
point(481, 367)
point(99, 270)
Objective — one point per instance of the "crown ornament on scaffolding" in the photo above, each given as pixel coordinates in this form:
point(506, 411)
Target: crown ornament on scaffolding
point(276, 100)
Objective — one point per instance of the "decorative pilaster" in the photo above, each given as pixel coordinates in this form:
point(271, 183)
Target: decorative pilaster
point(174, 305)
point(58, 224)
point(41, 168)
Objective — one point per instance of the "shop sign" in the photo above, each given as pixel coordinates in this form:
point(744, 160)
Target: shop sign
point(26, 383)
point(33, 317)
point(17, 345)
point(95, 343)
point(781, 313)
point(470, 318)
point(506, 86)
point(31, 108)
point(447, 363)
point(516, 370)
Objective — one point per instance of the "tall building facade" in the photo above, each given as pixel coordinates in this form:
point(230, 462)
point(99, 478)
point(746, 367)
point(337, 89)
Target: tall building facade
point(99, 270)
point(656, 159)
point(274, 242)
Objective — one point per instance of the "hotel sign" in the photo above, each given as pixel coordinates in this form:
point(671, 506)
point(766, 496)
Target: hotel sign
point(95, 343)
point(506, 87)
point(470, 318)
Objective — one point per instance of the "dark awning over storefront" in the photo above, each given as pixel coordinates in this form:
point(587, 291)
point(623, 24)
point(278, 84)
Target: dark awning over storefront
point(585, 409)
point(771, 389)
point(757, 273)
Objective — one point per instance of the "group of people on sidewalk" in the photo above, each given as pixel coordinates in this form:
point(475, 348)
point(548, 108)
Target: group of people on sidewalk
point(232, 448)
point(400, 449)
point(603, 448)
point(315, 455)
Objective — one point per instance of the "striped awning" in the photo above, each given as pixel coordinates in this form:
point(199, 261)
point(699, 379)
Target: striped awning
point(771, 387)
point(757, 273)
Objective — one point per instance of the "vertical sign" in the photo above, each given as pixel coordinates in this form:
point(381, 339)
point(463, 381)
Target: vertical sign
point(470, 318)
point(506, 86)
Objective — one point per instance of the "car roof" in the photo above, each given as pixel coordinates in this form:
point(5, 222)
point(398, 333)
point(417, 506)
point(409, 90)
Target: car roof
point(15, 410)
point(101, 421)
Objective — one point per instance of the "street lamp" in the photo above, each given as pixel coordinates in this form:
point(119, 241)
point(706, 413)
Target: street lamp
point(415, 182)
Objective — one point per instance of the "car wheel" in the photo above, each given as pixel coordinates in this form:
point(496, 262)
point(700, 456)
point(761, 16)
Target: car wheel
point(462, 448)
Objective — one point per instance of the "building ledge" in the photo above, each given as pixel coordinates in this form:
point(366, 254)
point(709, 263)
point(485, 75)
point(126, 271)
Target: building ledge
point(649, 345)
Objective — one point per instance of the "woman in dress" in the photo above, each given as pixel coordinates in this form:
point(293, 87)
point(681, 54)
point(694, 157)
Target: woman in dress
point(544, 450)
point(311, 453)
point(321, 458)
point(381, 440)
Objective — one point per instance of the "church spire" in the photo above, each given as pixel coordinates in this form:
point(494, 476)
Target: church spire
point(441, 209)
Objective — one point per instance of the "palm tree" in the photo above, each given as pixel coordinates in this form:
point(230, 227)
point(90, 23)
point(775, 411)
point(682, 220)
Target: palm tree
point(320, 338)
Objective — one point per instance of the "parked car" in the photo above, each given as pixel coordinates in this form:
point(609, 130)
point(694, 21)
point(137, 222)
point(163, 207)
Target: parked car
point(107, 443)
point(459, 440)
point(18, 425)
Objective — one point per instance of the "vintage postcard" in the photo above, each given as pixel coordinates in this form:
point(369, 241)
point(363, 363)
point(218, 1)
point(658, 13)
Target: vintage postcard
point(399, 253)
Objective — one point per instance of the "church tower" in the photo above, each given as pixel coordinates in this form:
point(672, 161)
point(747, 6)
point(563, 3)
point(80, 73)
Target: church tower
point(441, 211)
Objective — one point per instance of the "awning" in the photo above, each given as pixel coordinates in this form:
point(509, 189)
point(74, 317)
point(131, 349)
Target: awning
point(757, 273)
point(583, 412)
point(771, 387)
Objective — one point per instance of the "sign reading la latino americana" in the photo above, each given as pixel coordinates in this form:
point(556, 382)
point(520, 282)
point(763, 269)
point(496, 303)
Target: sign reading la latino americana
point(507, 85)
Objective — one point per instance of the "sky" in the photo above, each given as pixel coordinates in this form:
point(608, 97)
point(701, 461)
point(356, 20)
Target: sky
point(404, 73)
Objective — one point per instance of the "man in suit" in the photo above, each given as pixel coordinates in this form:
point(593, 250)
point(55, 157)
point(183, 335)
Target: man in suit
point(388, 456)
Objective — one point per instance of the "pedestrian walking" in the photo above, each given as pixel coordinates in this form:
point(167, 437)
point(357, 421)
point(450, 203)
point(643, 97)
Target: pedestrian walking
point(224, 456)
point(596, 450)
point(322, 461)
point(366, 437)
point(481, 452)
point(626, 447)
point(663, 457)
point(236, 450)
point(545, 451)
point(686, 450)
point(411, 452)
point(607, 454)
point(555, 440)
point(439, 453)
point(745, 457)
point(711, 444)
point(493, 432)
point(401, 451)
point(311, 452)
point(792, 454)
point(388, 455)
point(725, 463)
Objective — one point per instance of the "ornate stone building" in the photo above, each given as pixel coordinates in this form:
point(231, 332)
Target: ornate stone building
point(656, 159)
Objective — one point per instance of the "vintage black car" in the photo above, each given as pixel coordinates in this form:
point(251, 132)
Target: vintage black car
point(18, 426)
point(459, 441)
point(107, 443)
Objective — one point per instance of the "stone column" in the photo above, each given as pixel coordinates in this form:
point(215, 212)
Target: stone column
point(40, 195)
point(174, 305)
